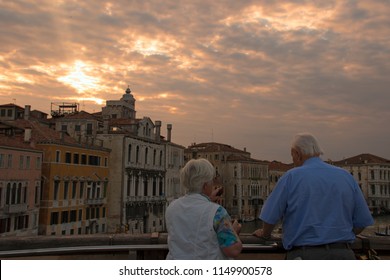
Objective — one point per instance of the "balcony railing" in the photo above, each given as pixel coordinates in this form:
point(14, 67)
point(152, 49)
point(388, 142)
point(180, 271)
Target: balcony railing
point(15, 208)
point(145, 198)
point(95, 201)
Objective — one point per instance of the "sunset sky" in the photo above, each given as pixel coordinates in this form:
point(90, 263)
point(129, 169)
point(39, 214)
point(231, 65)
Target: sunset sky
point(245, 73)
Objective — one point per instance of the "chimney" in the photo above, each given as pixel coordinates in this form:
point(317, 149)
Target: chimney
point(158, 130)
point(27, 134)
point(169, 128)
point(27, 110)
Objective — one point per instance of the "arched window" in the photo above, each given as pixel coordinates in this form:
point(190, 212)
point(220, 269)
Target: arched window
point(19, 194)
point(8, 194)
point(13, 195)
point(129, 153)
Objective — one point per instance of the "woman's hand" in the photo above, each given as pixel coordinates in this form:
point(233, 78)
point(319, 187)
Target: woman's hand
point(216, 195)
point(236, 226)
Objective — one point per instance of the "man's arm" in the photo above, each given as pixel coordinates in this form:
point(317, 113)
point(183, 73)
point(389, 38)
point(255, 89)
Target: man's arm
point(265, 232)
point(358, 230)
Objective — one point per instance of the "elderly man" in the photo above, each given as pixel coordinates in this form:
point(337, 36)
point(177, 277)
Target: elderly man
point(321, 206)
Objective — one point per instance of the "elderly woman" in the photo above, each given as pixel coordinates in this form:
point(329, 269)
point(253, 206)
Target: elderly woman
point(199, 228)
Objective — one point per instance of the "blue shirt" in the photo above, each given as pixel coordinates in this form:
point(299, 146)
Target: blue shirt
point(318, 204)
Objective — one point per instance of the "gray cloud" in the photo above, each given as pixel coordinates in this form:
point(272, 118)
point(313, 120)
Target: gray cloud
point(246, 73)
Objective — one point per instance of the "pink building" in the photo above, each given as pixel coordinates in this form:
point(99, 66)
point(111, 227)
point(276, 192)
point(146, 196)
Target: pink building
point(20, 183)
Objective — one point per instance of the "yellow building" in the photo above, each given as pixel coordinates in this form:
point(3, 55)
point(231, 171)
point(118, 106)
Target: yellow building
point(75, 189)
point(74, 180)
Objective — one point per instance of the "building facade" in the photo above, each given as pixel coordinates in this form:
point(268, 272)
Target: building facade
point(76, 182)
point(73, 179)
point(373, 176)
point(20, 184)
point(144, 165)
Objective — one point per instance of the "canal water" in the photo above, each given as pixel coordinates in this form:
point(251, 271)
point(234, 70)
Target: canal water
point(380, 224)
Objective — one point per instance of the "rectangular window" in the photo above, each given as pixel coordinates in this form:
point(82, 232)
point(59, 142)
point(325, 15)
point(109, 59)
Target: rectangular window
point(92, 213)
point(58, 156)
point(74, 189)
point(9, 161)
point(73, 215)
point(76, 158)
point(77, 127)
point(64, 127)
point(21, 162)
point(84, 159)
point(89, 129)
point(56, 189)
point(54, 218)
point(80, 214)
point(38, 163)
point(81, 190)
point(27, 162)
point(64, 217)
point(36, 198)
point(68, 157)
point(94, 160)
point(2, 159)
point(66, 189)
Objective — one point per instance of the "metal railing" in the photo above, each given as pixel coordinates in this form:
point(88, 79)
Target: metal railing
point(138, 247)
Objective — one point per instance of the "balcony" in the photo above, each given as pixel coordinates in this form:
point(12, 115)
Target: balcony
point(141, 247)
point(146, 199)
point(15, 208)
point(95, 201)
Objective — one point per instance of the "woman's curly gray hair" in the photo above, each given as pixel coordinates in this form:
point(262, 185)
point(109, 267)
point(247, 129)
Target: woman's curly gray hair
point(195, 173)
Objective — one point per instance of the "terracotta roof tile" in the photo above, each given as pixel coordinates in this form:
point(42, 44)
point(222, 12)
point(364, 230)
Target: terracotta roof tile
point(16, 141)
point(279, 166)
point(362, 159)
point(214, 147)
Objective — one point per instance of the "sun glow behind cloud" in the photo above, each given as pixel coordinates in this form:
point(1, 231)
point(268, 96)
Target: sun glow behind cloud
point(80, 78)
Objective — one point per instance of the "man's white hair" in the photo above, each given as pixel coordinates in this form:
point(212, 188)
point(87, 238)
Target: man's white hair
point(195, 173)
point(307, 144)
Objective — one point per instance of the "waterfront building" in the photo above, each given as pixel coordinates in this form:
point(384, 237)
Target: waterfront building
point(144, 166)
point(276, 169)
point(20, 183)
point(373, 176)
point(74, 179)
point(245, 180)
